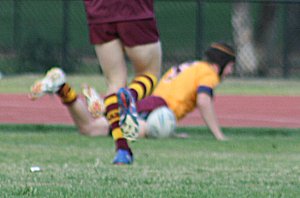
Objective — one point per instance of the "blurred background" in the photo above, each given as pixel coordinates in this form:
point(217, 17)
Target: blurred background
point(36, 35)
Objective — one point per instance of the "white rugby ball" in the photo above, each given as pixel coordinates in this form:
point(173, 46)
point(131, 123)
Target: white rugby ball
point(161, 123)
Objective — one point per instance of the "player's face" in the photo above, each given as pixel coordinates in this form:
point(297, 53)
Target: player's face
point(228, 69)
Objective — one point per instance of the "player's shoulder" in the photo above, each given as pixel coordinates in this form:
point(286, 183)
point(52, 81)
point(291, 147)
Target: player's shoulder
point(201, 63)
point(203, 66)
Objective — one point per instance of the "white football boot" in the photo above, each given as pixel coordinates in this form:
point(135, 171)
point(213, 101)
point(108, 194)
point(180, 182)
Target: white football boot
point(128, 114)
point(50, 84)
point(94, 101)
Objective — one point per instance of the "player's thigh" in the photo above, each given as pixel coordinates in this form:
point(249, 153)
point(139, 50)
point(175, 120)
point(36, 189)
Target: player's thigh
point(112, 61)
point(146, 58)
point(110, 53)
point(142, 45)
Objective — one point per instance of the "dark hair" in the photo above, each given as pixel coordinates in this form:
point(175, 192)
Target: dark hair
point(221, 54)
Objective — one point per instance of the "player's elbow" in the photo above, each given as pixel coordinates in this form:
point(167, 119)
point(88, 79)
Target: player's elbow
point(203, 100)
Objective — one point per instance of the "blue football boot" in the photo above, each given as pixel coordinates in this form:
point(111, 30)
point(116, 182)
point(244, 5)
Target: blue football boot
point(123, 157)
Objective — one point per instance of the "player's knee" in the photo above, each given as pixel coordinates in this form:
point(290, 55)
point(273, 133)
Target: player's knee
point(85, 130)
point(94, 129)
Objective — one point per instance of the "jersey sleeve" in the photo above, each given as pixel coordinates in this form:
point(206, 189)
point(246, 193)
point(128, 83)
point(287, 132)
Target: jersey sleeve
point(204, 89)
point(208, 84)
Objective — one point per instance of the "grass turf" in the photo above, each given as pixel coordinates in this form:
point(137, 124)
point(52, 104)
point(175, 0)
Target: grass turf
point(255, 162)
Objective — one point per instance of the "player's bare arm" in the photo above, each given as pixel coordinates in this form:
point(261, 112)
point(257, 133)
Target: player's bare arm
point(206, 106)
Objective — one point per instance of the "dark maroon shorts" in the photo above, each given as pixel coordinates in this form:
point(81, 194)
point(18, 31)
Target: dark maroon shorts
point(131, 33)
point(148, 104)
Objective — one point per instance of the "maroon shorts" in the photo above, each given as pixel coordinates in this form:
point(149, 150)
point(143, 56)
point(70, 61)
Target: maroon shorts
point(149, 104)
point(131, 33)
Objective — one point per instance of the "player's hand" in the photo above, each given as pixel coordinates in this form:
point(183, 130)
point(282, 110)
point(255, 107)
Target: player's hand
point(181, 135)
point(222, 138)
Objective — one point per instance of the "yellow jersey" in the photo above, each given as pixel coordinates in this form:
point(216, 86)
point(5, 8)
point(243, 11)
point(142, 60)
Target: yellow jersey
point(180, 85)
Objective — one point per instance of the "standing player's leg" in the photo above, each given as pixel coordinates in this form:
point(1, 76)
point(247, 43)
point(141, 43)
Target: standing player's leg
point(143, 47)
point(144, 50)
point(112, 60)
point(146, 58)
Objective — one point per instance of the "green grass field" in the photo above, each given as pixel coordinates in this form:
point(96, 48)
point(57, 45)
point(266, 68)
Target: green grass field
point(253, 163)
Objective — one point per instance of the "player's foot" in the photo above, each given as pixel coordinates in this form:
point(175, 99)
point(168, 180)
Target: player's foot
point(128, 114)
point(123, 157)
point(94, 101)
point(50, 84)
